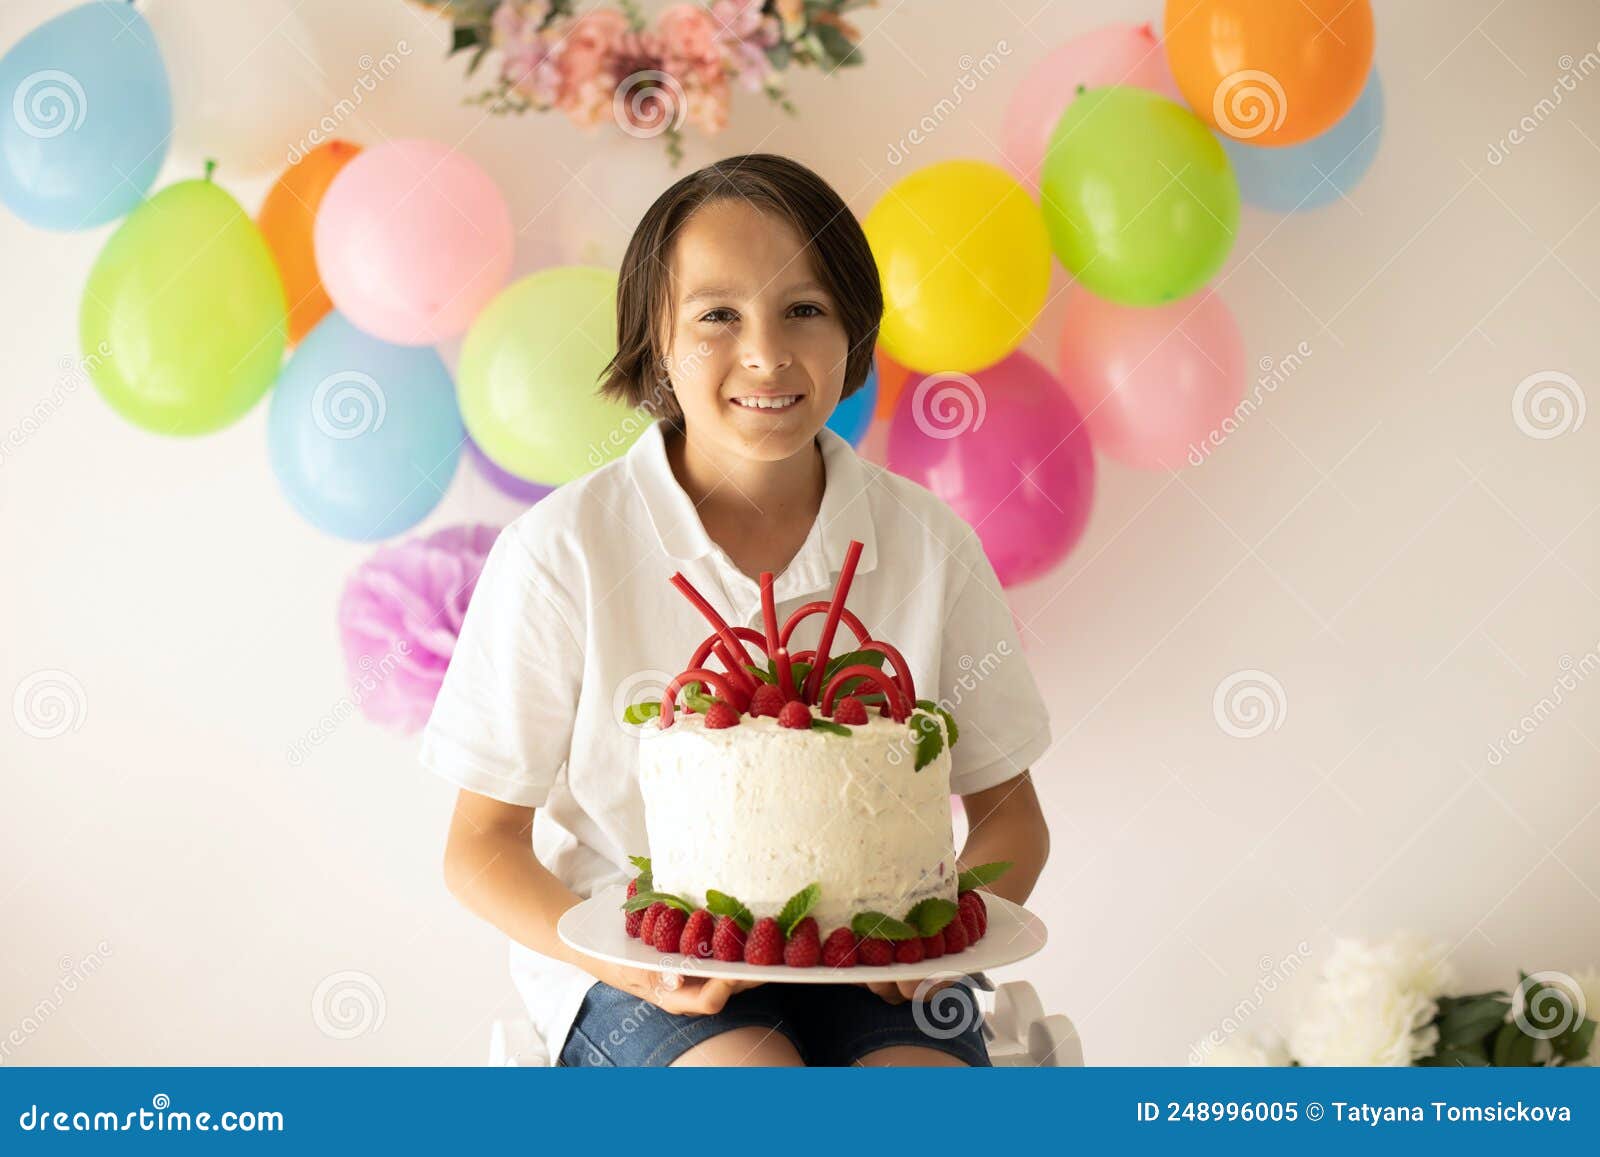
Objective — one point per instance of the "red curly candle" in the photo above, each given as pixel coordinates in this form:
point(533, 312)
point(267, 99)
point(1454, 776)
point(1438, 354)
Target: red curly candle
point(718, 623)
point(894, 699)
point(710, 678)
point(741, 701)
point(776, 651)
point(902, 673)
point(703, 651)
point(847, 574)
point(846, 616)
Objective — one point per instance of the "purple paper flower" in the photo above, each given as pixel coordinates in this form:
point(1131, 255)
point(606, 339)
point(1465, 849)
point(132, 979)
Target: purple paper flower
point(399, 617)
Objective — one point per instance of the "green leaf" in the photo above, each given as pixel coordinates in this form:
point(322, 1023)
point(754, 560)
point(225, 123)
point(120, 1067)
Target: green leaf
point(1512, 1047)
point(796, 907)
point(982, 874)
point(879, 926)
point(853, 659)
point(930, 740)
point(642, 712)
point(695, 698)
point(931, 915)
point(764, 676)
point(645, 899)
point(640, 862)
point(1467, 1021)
point(1574, 1044)
point(1459, 1056)
point(799, 672)
point(949, 719)
point(463, 38)
point(722, 904)
point(829, 726)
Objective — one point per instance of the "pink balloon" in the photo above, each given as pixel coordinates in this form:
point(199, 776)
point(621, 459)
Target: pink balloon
point(1153, 383)
point(1116, 54)
point(1006, 449)
point(412, 240)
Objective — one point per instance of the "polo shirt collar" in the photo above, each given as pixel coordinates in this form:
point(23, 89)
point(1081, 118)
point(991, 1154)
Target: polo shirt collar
point(846, 511)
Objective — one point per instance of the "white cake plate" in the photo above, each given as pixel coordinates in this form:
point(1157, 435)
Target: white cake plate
point(594, 928)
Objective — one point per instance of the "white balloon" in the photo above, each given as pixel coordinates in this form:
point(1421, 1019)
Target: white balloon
point(248, 86)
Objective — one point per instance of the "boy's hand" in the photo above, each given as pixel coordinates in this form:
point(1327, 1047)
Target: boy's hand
point(675, 992)
point(900, 991)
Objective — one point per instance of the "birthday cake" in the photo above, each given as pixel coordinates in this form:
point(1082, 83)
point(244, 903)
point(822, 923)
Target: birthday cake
point(798, 808)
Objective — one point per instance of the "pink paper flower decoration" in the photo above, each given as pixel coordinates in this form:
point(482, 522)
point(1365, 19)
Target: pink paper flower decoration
point(399, 617)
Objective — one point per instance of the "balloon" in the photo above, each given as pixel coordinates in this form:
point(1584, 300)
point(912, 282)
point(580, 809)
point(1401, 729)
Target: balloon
point(1268, 72)
point(965, 265)
point(1318, 172)
point(529, 372)
point(249, 84)
point(286, 219)
point(182, 320)
point(503, 480)
point(87, 119)
point(1115, 54)
point(413, 240)
point(1007, 450)
point(364, 436)
point(853, 415)
point(891, 378)
point(1151, 383)
point(1138, 196)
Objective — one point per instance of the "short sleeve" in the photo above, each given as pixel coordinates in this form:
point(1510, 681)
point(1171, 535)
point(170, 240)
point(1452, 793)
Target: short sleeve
point(502, 724)
point(985, 681)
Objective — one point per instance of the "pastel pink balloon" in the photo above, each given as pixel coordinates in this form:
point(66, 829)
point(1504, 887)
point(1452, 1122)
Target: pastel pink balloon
point(1006, 449)
point(1152, 383)
point(412, 240)
point(1116, 54)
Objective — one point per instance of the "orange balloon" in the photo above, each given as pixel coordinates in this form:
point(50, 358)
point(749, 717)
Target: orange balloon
point(1270, 72)
point(891, 380)
point(286, 220)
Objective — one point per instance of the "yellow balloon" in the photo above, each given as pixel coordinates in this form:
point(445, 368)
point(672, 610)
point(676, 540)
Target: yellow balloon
point(964, 258)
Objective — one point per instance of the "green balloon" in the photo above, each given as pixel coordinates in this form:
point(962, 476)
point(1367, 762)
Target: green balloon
point(182, 323)
point(1138, 195)
point(529, 371)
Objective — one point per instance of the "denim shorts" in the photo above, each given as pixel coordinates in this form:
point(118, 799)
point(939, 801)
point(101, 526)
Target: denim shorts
point(828, 1024)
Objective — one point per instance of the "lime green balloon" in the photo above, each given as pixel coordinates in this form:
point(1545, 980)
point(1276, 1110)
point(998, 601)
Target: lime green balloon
point(1139, 198)
point(529, 371)
point(183, 320)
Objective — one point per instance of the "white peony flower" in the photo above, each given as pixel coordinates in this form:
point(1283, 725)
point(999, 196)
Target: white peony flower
point(1241, 1051)
point(1373, 1004)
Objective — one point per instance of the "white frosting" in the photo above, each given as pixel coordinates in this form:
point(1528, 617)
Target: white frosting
point(759, 811)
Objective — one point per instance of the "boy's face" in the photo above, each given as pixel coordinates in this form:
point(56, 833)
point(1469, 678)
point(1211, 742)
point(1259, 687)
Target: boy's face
point(750, 319)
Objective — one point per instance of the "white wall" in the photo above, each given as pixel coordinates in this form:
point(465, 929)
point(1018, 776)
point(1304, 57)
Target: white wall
point(1381, 537)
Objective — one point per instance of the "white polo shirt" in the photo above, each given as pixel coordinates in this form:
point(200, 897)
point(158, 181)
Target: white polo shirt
point(573, 618)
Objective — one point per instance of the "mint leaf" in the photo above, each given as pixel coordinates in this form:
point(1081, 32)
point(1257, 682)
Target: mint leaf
point(645, 899)
point(949, 719)
point(696, 699)
point(641, 712)
point(879, 926)
point(764, 676)
point(829, 726)
point(1468, 1020)
point(1512, 1047)
point(722, 904)
point(930, 740)
point(931, 915)
point(799, 672)
point(640, 862)
point(982, 874)
point(796, 907)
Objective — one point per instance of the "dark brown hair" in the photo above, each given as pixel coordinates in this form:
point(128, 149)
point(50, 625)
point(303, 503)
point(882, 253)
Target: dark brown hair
point(771, 183)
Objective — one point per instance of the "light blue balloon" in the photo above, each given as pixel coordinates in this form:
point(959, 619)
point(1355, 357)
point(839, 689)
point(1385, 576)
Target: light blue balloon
point(853, 415)
point(85, 116)
point(1315, 172)
point(364, 436)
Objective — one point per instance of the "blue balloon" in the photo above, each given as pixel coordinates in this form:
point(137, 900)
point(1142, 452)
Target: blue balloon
point(86, 117)
point(1315, 172)
point(852, 416)
point(364, 436)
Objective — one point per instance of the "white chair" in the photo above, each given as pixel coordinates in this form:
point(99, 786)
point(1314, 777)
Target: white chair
point(1014, 1024)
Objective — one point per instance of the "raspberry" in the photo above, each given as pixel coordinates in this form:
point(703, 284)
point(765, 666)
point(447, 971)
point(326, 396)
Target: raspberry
point(767, 700)
point(875, 951)
point(955, 937)
point(933, 946)
point(633, 887)
point(804, 949)
point(765, 945)
point(696, 938)
point(908, 951)
point(967, 912)
point(632, 921)
point(720, 715)
point(839, 949)
point(669, 929)
point(850, 710)
point(795, 714)
point(727, 943)
point(647, 926)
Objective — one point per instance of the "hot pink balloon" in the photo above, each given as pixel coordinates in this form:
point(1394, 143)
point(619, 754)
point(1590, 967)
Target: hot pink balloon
point(412, 240)
point(1006, 449)
point(1116, 54)
point(1153, 383)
